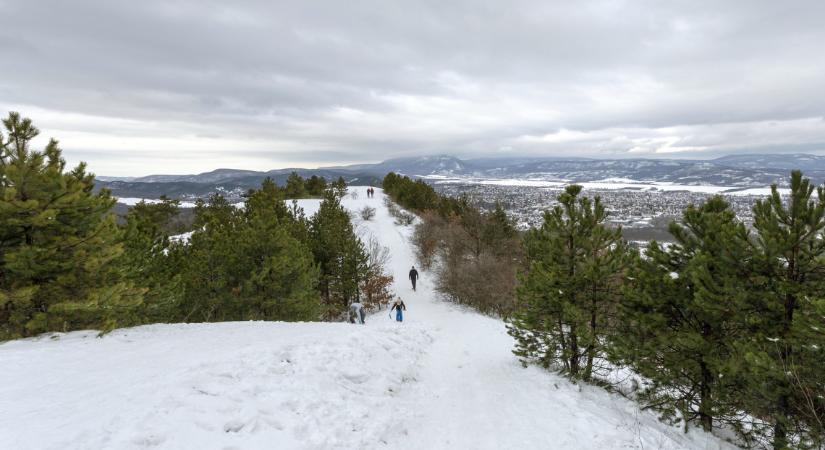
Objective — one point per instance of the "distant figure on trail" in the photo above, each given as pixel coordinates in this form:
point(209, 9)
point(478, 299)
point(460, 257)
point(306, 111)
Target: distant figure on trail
point(413, 276)
point(370, 192)
point(398, 307)
point(356, 312)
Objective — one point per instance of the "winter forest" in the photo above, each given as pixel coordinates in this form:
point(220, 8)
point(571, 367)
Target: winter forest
point(721, 331)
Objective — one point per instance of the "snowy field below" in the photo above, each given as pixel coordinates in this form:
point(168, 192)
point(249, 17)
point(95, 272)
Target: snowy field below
point(609, 184)
point(443, 379)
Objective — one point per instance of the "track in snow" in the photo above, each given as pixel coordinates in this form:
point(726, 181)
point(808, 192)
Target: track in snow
point(472, 393)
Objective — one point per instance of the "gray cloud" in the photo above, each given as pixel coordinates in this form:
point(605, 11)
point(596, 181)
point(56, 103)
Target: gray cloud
point(137, 87)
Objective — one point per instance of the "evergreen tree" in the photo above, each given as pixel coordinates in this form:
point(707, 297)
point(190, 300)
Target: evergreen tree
point(684, 313)
point(247, 264)
point(316, 186)
point(415, 195)
point(153, 260)
point(59, 243)
point(340, 187)
point(209, 257)
point(279, 273)
point(807, 372)
point(269, 197)
point(295, 187)
point(570, 288)
point(339, 253)
point(499, 231)
point(785, 357)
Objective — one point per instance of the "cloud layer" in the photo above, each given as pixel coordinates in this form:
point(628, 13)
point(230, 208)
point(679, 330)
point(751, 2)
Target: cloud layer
point(185, 86)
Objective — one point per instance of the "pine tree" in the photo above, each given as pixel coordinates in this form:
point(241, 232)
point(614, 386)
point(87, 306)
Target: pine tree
point(570, 288)
point(248, 264)
point(279, 273)
point(59, 244)
point(295, 187)
point(316, 186)
point(210, 290)
point(684, 314)
point(340, 187)
point(153, 260)
point(786, 356)
point(499, 231)
point(339, 253)
point(269, 197)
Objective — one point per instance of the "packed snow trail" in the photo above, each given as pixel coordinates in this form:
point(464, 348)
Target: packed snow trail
point(472, 393)
point(443, 379)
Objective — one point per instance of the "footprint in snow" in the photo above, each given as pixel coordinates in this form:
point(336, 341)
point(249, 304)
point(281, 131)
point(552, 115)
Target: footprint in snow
point(152, 440)
point(356, 377)
point(233, 426)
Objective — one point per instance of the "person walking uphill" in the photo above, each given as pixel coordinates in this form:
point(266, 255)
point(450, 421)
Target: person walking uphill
point(398, 307)
point(413, 276)
point(356, 313)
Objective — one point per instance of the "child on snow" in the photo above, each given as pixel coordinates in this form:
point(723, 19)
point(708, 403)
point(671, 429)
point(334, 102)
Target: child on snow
point(398, 306)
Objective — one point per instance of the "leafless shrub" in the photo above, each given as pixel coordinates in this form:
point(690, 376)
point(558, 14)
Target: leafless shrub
point(471, 272)
point(486, 283)
point(401, 217)
point(376, 286)
point(404, 218)
point(428, 237)
point(367, 213)
point(378, 255)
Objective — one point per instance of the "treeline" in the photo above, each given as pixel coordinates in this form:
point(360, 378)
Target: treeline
point(298, 187)
point(65, 263)
point(474, 254)
point(723, 328)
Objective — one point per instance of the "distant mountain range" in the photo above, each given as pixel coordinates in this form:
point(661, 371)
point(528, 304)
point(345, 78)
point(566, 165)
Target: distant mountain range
point(735, 170)
point(229, 182)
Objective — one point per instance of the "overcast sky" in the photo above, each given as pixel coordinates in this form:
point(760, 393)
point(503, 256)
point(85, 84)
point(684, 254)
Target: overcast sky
point(137, 87)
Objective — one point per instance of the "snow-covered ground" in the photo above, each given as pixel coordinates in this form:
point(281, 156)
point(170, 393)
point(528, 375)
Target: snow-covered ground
point(444, 379)
point(606, 184)
point(132, 201)
point(762, 192)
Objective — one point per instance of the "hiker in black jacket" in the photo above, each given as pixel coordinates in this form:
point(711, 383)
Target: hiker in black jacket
point(413, 276)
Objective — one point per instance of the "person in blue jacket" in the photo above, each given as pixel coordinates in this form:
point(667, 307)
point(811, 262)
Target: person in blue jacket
point(398, 307)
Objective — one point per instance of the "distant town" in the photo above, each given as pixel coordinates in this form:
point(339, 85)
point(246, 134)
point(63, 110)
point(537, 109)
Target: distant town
point(643, 214)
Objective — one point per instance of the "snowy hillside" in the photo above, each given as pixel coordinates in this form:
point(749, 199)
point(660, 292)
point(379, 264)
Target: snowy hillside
point(445, 378)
